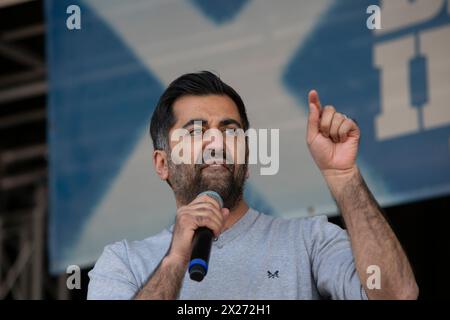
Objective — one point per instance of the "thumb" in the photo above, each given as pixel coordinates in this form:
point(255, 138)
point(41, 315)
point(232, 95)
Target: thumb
point(313, 115)
point(225, 212)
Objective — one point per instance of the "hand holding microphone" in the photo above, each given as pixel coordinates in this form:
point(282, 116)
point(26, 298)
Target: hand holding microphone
point(201, 247)
point(196, 225)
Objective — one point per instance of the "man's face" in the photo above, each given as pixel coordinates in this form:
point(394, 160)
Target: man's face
point(217, 154)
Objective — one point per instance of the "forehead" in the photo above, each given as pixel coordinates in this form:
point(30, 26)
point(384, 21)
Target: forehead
point(211, 107)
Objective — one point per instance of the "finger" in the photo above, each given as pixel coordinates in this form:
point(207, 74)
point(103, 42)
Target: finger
point(325, 120)
point(313, 115)
point(208, 209)
point(190, 219)
point(313, 97)
point(348, 128)
point(206, 198)
point(225, 212)
point(207, 221)
point(207, 204)
point(338, 118)
point(187, 222)
point(210, 216)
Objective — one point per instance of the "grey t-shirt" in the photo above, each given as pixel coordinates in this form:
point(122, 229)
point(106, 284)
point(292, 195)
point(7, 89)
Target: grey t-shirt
point(259, 257)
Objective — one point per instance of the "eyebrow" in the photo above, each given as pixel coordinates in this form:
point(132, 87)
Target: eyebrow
point(192, 122)
point(223, 123)
point(229, 121)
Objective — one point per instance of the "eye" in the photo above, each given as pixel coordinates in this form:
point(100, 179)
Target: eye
point(196, 132)
point(231, 132)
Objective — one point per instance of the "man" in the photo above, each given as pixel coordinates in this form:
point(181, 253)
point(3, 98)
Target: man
point(255, 256)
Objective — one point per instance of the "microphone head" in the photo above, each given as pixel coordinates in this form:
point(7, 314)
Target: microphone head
point(213, 195)
point(197, 272)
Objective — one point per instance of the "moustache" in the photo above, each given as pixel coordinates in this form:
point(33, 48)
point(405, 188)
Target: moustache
point(209, 159)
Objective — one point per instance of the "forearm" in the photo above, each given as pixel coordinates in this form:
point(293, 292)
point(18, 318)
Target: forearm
point(372, 239)
point(165, 283)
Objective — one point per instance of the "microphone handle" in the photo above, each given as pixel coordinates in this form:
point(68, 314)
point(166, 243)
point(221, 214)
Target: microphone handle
point(201, 249)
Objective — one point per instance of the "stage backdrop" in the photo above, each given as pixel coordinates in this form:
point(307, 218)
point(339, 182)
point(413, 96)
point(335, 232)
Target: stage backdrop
point(106, 77)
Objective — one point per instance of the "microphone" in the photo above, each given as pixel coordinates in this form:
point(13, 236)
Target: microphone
point(198, 266)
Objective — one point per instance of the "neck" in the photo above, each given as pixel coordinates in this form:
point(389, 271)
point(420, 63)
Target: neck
point(237, 213)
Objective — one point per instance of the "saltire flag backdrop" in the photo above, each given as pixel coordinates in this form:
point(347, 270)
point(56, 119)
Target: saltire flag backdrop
point(105, 79)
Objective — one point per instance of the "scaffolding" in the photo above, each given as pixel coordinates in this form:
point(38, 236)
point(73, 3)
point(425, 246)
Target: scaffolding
point(23, 155)
point(22, 246)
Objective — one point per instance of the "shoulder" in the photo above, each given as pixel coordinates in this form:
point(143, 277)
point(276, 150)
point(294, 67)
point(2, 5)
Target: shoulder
point(127, 249)
point(308, 230)
point(135, 258)
point(306, 225)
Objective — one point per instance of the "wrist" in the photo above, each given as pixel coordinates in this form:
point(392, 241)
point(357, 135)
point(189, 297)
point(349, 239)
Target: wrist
point(338, 179)
point(332, 175)
point(175, 260)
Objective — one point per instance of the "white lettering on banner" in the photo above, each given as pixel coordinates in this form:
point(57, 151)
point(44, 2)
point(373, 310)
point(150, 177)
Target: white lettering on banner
point(393, 57)
point(405, 13)
point(435, 45)
point(397, 116)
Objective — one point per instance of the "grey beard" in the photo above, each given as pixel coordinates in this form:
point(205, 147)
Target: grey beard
point(187, 182)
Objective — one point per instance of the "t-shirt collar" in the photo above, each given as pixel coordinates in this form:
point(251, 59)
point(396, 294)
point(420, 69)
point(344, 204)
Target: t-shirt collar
point(239, 227)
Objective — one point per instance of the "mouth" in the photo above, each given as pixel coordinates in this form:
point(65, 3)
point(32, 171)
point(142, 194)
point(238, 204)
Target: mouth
point(217, 164)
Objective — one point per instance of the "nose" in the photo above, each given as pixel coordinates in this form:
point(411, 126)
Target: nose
point(213, 144)
point(213, 139)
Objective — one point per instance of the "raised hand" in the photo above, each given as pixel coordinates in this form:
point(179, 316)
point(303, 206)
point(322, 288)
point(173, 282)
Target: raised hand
point(332, 138)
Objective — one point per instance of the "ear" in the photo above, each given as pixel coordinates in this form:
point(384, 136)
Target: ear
point(160, 163)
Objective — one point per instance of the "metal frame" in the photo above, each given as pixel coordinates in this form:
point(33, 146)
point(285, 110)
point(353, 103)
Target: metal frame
point(23, 272)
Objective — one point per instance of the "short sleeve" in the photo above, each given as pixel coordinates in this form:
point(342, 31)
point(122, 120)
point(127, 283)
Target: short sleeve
point(112, 278)
point(333, 265)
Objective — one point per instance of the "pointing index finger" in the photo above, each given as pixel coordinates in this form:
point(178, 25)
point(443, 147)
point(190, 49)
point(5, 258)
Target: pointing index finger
point(313, 116)
point(314, 99)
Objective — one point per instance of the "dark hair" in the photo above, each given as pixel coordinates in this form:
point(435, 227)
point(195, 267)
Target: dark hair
point(197, 84)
